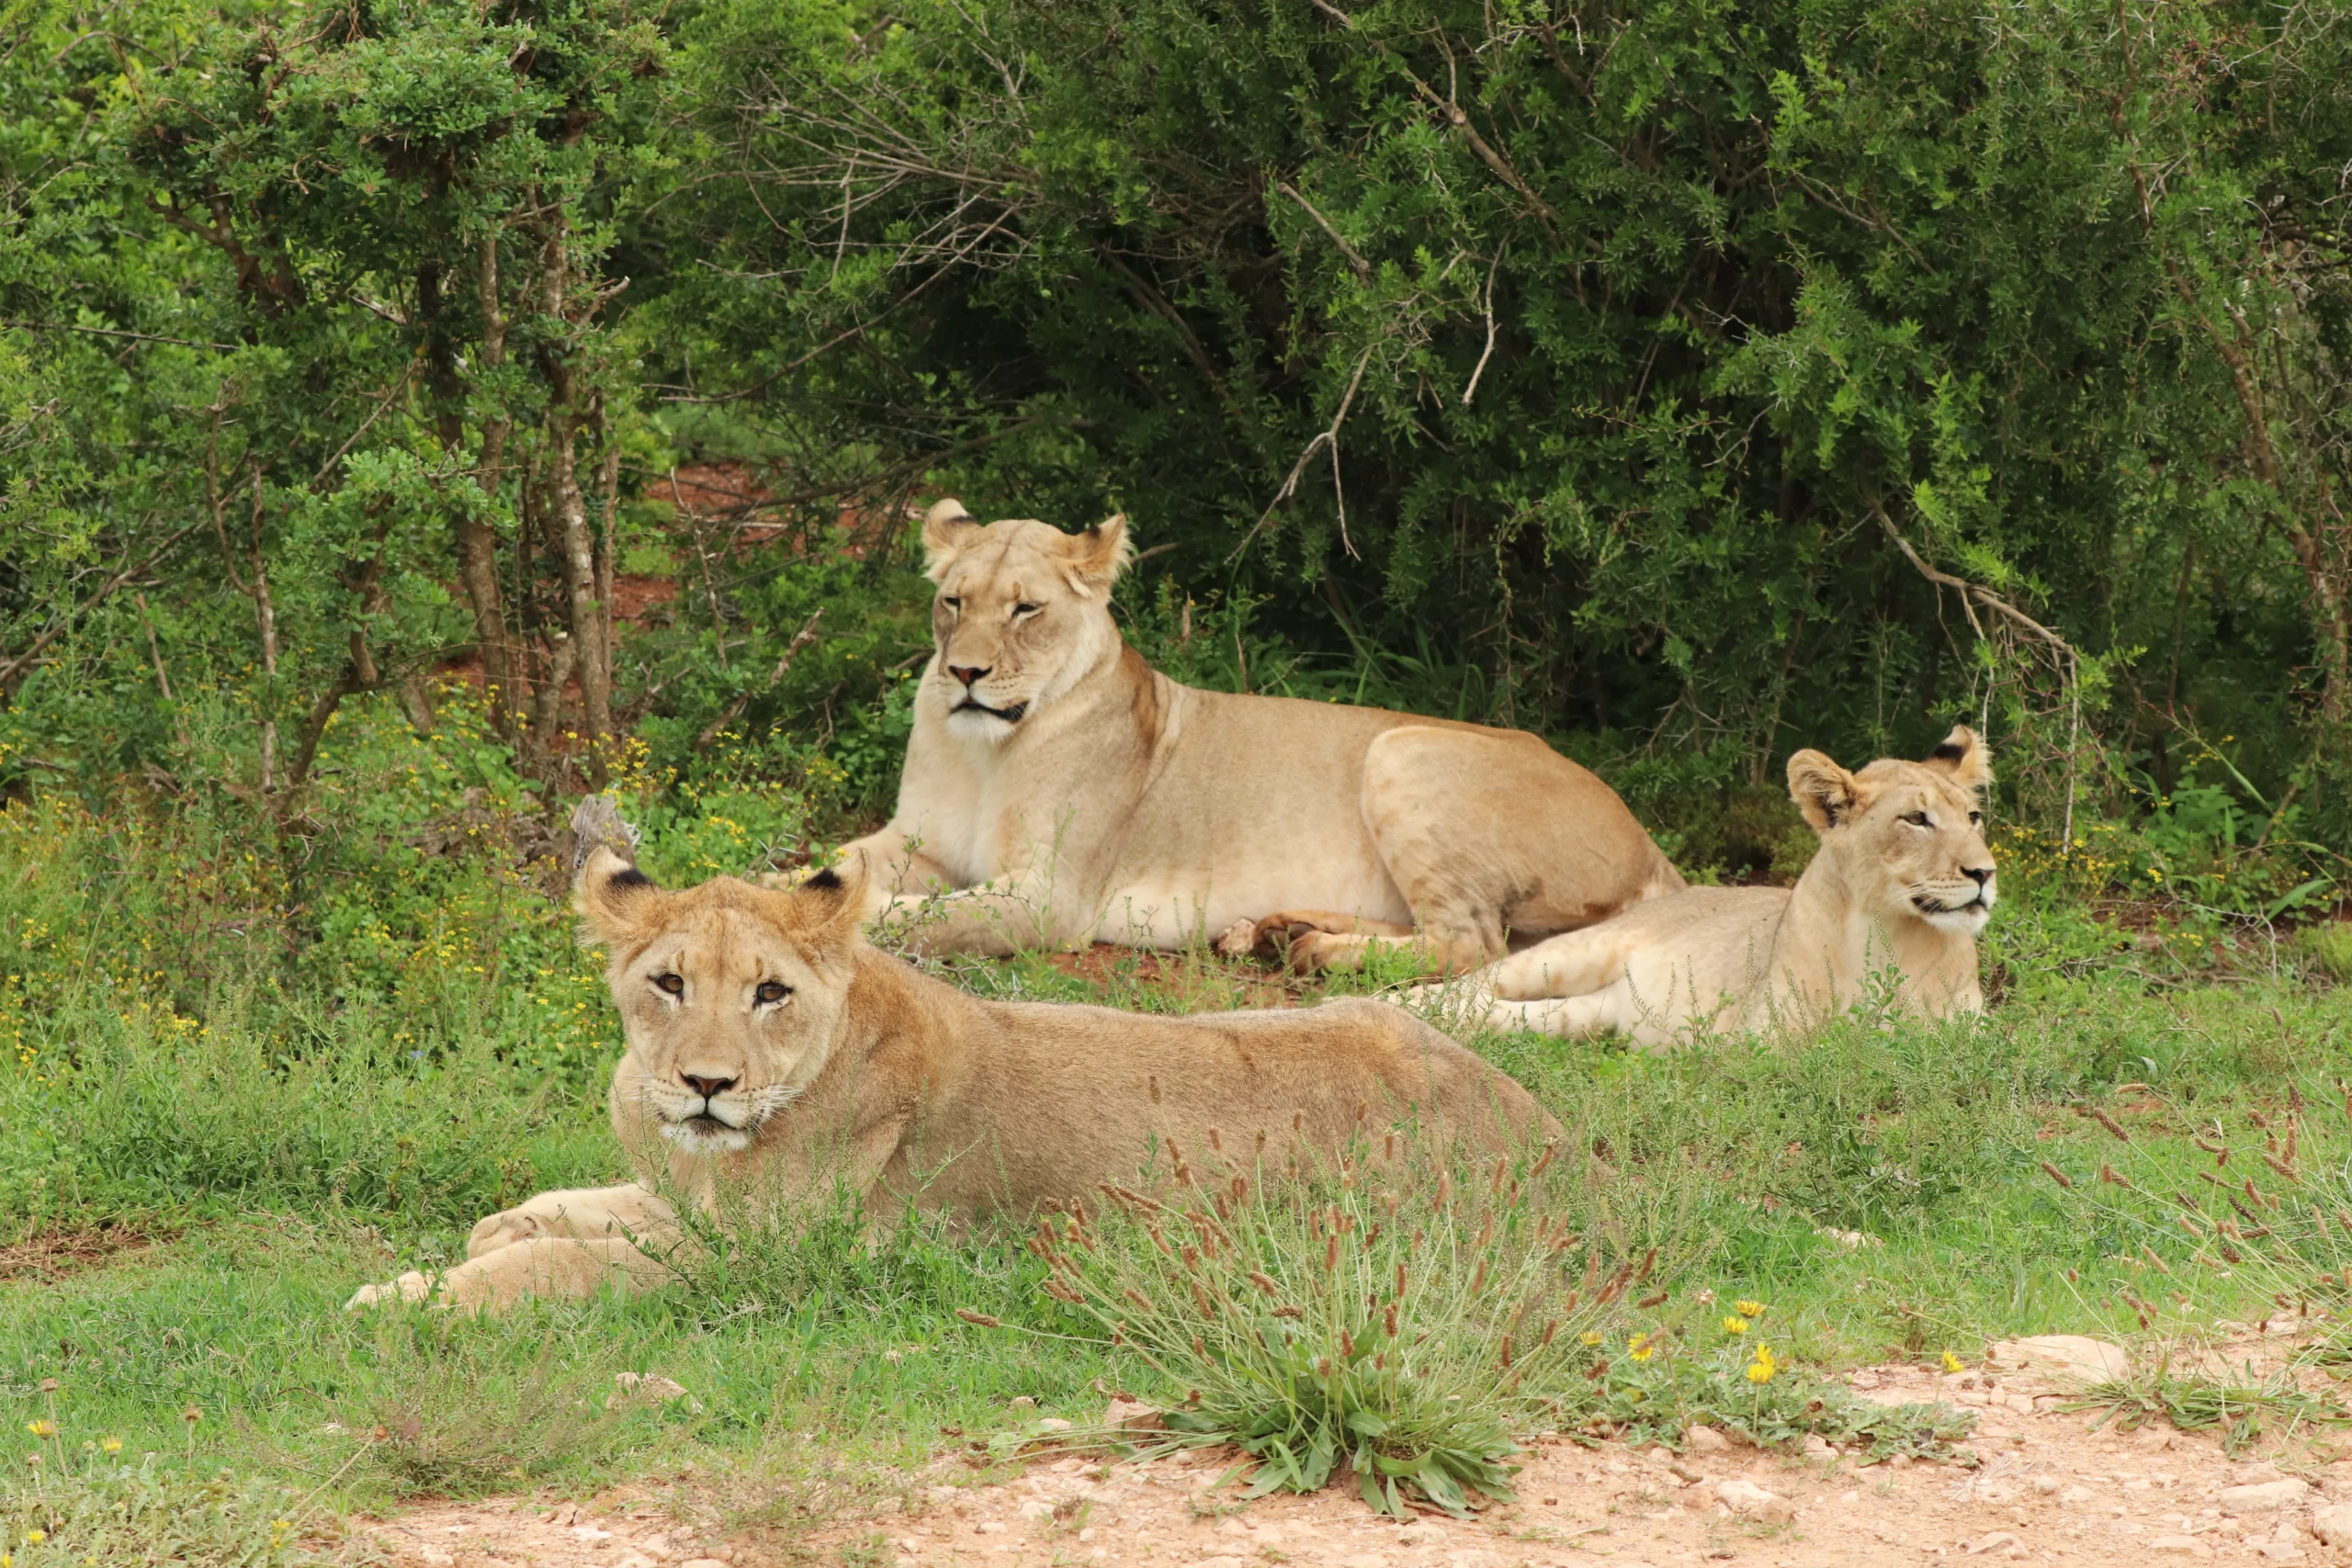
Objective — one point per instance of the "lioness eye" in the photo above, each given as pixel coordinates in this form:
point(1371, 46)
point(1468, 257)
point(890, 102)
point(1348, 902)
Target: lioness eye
point(1024, 609)
point(771, 991)
point(1916, 819)
point(952, 602)
point(675, 985)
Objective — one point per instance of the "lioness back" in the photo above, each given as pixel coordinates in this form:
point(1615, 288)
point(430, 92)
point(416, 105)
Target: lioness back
point(1055, 1099)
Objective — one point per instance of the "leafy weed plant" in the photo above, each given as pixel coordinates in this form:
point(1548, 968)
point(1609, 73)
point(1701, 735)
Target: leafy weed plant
point(108, 1508)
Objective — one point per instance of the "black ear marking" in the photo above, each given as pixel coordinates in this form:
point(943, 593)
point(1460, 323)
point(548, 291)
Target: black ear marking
point(825, 881)
point(1946, 751)
point(628, 877)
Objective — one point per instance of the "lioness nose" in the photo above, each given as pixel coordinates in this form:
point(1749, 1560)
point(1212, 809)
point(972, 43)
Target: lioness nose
point(1980, 875)
point(968, 673)
point(709, 1088)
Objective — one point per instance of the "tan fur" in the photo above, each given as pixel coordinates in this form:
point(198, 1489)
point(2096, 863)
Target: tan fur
point(870, 1072)
point(1881, 891)
point(1102, 801)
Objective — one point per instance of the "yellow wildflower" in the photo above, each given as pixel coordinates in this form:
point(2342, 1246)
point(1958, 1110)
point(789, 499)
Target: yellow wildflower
point(1749, 1309)
point(1761, 1368)
point(1734, 1326)
point(112, 1445)
point(1953, 1364)
point(41, 1428)
point(1590, 1336)
point(1641, 1347)
point(34, 1538)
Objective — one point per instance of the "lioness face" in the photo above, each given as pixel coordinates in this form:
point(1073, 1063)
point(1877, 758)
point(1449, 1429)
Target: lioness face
point(1908, 836)
point(1021, 613)
point(731, 995)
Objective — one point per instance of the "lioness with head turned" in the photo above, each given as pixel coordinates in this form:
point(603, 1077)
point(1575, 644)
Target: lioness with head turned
point(772, 1051)
point(1902, 880)
point(1058, 789)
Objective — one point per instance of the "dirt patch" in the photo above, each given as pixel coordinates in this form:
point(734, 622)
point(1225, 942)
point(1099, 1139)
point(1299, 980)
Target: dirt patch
point(50, 1255)
point(2040, 1483)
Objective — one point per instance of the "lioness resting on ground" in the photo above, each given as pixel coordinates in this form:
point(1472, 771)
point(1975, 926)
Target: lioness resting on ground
point(1058, 789)
point(772, 1051)
point(1902, 879)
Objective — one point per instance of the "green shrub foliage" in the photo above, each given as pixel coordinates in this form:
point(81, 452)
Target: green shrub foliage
point(1698, 379)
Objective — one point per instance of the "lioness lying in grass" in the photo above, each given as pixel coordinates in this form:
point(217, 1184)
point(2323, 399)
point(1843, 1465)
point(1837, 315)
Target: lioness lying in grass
point(1902, 883)
point(772, 1050)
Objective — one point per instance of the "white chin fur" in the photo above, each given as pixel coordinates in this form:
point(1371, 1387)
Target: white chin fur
point(704, 1140)
point(970, 724)
point(1970, 921)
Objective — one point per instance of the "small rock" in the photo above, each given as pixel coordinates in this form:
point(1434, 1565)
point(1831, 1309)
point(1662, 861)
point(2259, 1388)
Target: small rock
point(590, 1532)
point(1049, 1424)
point(651, 1387)
point(1706, 1440)
point(2332, 1524)
point(1816, 1446)
point(434, 1557)
point(1130, 1415)
point(2264, 1496)
point(2186, 1544)
point(2093, 1360)
point(2048, 1486)
point(940, 1494)
point(1997, 1542)
point(1750, 1501)
point(1086, 1535)
point(988, 1526)
point(1037, 1508)
point(1661, 1456)
point(1020, 1402)
point(2281, 1551)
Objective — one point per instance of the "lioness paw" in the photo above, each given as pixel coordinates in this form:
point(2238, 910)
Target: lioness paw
point(1238, 939)
point(504, 1229)
point(412, 1286)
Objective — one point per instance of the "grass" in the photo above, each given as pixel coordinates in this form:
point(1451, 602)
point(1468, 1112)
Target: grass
point(210, 1133)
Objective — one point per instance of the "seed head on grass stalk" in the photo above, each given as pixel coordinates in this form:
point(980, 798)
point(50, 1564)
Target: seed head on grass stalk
point(1380, 1315)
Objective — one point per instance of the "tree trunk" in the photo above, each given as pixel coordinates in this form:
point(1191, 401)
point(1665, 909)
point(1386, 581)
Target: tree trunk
point(477, 538)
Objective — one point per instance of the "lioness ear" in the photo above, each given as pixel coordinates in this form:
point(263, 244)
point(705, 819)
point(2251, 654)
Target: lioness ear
point(1824, 792)
point(615, 897)
point(830, 905)
point(1966, 757)
point(1092, 560)
point(947, 529)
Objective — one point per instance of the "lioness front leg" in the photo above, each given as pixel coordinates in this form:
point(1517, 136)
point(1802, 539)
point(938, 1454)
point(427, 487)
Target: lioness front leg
point(548, 1267)
point(584, 1213)
point(897, 874)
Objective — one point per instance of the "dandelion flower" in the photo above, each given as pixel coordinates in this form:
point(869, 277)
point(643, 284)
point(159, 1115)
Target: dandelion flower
point(1749, 1309)
point(1734, 1326)
point(34, 1538)
point(1953, 1364)
point(1590, 1336)
point(1641, 1347)
point(41, 1428)
point(1761, 1368)
point(112, 1445)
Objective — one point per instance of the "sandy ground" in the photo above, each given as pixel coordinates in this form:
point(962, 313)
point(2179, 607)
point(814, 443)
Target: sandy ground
point(2043, 1488)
